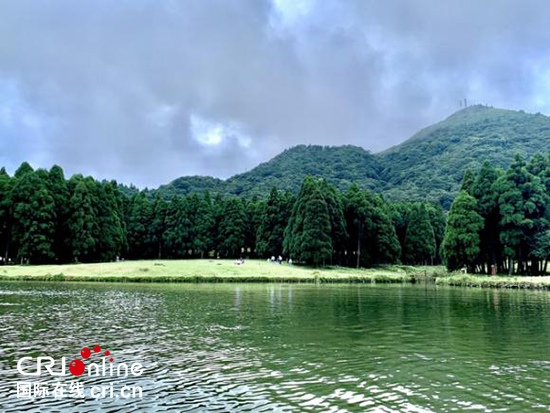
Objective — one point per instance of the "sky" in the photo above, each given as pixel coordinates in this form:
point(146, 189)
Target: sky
point(145, 91)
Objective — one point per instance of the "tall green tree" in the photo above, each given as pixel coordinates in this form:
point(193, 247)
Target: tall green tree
point(57, 187)
point(419, 238)
point(485, 192)
point(359, 217)
point(233, 229)
point(205, 226)
point(273, 219)
point(308, 234)
point(461, 245)
point(139, 228)
point(33, 216)
point(82, 222)
point(522, 205)
point(158, 226)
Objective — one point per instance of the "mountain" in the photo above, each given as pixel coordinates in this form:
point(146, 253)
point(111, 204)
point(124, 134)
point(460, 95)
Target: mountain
point(340, 165)
point(429, 165)
point(432, 162)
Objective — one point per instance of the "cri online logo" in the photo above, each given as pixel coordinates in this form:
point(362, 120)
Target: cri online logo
point(77, 367)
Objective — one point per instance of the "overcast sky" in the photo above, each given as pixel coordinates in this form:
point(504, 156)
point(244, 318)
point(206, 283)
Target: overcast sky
point(144, 91)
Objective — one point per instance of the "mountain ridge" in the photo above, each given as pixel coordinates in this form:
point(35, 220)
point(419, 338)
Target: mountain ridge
point(428, 165)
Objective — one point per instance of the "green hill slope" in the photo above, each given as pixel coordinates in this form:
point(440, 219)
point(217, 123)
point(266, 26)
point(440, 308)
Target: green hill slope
point(429, 165)
point(340, 165)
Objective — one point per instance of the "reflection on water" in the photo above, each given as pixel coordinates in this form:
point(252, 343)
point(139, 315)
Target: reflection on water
point(287, 347)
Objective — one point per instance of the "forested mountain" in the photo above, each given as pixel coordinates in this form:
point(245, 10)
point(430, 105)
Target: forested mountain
point(428, 166)
point(339, 165)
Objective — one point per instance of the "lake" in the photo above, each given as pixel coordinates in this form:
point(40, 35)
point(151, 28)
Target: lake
point(265, 347)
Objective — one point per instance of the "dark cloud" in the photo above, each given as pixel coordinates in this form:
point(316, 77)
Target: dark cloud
point(117, 88)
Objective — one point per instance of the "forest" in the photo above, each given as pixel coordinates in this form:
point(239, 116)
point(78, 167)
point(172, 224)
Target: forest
point(498, 223)
point(45, 218)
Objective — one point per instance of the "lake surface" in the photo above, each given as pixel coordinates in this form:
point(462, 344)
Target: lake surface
point(265, 347)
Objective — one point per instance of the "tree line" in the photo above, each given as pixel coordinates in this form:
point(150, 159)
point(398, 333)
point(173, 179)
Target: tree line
point(499, 222)
point(45, 218)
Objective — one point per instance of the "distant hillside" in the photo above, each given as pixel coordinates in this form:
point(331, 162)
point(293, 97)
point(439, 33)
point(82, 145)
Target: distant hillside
point(429, 165)
point(340, 165)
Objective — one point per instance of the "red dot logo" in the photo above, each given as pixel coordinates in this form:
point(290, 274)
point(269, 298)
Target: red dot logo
point(85, 352)
point(97, 349)
point(107, 352)
point(77, 367)
point(111, 359)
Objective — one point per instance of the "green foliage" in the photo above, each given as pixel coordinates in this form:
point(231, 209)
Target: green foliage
point(461, 245)
point(139, 224)
point(308, 234)
point(82, 222)
point(420, 243)
point(233, 229)
point(273, 218)
point(33, 216)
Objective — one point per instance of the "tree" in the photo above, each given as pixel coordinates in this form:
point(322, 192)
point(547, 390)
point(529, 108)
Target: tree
point(468, 181)
point(419, 238)
point(438, 222)
point(139, 227)
point(384, 242)
point(338, 231)
point(273, 219)
point(158, 226)
point(522, 205)
point(205, 226)
point(308, 234)
point(57, 187)
point(111, 237)
point(174, 236)
point(461, 244)
point(82, 223)
point(33, 216)
point(233, 228)
point(485, 192)
point(359, 217)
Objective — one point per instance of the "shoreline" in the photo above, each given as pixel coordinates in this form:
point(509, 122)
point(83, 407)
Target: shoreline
point(257, 271)
point(212, 271)
point(496, 281)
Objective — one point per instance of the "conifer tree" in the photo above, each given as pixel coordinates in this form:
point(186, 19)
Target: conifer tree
point(273, 219)
point(486, 194)
point(468, 181)
point(233, 229)
point(139, 227)
point(308, 234)
point(419, 238)
point(82, 223)
point(158, 226)
point(205, 226)
point(461, 245)
point(33, 216)
point(359, 217)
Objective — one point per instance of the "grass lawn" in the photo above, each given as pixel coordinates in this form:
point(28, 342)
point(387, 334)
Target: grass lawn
point(496, 281)
point(208, 270)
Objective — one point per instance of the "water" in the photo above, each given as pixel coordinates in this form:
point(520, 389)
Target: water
point(286, 347)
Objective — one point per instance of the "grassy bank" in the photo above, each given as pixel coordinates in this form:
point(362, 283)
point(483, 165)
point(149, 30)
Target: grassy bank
point(498, 281)
point(210, 271)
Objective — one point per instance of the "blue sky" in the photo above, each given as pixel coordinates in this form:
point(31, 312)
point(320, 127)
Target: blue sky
point(144, 91)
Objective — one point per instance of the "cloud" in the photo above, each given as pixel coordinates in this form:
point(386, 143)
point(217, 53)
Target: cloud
point(145, 91)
